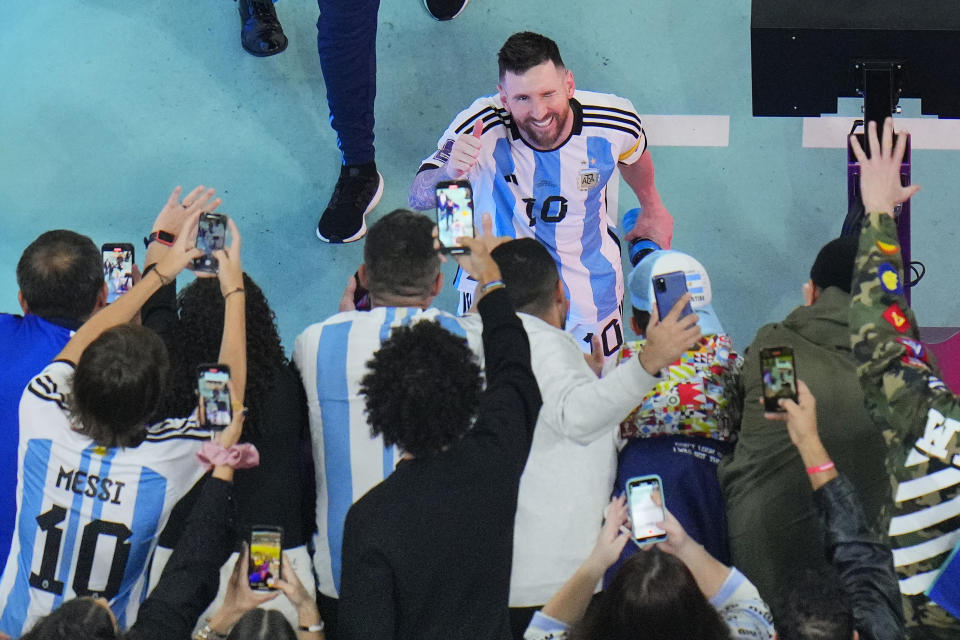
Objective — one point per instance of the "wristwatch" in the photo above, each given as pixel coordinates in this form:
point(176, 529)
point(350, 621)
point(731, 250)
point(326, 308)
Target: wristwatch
point(163, 237)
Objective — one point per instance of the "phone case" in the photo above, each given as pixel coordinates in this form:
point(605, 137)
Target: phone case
point(663, 503)
point(667, 289)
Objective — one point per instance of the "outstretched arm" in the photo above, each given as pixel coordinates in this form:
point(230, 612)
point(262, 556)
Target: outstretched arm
point(655, 222)
point(127, 306)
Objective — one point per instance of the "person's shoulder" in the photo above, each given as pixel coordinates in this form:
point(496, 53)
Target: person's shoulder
point(489, 110)
point(344, 320)
point(597, 100)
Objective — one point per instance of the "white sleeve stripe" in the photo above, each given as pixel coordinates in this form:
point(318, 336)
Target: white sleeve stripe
point(943, 479)
point(178, 436)
point(924, 518)
point(929, 549)
point(919, 583)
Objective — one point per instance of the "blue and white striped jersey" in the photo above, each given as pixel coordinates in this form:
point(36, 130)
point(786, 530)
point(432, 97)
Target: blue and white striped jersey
point(332, 357)
point(87, 516)
point(565, 198)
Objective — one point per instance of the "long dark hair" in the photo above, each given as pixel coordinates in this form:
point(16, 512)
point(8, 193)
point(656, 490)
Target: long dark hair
point(77, 619)
point(262, 624)
point(653, 597)
point(197, 341)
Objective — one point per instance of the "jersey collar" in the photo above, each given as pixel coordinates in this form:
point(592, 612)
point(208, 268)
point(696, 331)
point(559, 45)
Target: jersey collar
point(576, 130)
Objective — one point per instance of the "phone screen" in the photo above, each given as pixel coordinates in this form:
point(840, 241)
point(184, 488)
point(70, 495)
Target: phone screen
point(645, 500)
point(214, 395)
point(454, 214)
point(265, 553)
point(117, 269)
point(667, 289)
point(211, 236)
point(779, 376)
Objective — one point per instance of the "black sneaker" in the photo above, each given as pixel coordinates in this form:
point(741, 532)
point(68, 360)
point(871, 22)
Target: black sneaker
point(357, 192)
point(445, 9)
point(261, 33)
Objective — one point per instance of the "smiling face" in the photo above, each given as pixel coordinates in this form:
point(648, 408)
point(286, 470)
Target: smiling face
point(539, 101)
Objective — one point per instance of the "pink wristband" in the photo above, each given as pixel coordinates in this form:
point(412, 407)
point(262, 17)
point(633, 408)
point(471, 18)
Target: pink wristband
point(239, 456)
point(826, 466)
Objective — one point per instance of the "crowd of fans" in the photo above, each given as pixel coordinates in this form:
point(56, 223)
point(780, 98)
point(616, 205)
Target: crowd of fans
point(449, 476)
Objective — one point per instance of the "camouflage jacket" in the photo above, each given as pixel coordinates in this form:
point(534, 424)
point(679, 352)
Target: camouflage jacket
point(902, 388)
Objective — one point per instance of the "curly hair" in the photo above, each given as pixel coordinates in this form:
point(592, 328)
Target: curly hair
point(197, 341)
point(422, 391)
point(653, 597)
point(118, 384)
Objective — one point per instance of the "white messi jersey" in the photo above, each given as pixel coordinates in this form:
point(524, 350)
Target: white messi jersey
point(87, 516)
point(332, 358)
point(565, 198)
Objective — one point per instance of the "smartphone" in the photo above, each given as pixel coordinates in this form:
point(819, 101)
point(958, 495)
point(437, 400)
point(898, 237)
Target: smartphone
point(214, 395)
point(211, 236)
point(266, 557)
point(454, 214)
point(779, 376)
point(361, 295)
point(667, 289)
point(117, 268)
point(645, 502)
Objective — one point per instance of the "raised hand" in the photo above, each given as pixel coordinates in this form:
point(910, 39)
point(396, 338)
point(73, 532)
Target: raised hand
point(230, 271)
point(175, 211)
point(880, 185)
point(465, 152)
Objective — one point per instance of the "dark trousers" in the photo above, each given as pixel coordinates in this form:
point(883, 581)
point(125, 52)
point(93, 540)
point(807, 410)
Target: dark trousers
point(347, 44)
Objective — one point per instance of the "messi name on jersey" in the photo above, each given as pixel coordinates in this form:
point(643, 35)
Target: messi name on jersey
point(90, 485)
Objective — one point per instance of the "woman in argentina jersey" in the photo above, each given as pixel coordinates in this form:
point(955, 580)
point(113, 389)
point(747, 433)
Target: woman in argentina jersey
point(94, 486)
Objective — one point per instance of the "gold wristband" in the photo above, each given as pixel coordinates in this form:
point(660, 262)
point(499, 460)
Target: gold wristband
point(230, 293)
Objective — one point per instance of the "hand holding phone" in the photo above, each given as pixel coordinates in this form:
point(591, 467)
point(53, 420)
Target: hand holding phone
point(266, 553)
point(213, 394)
point(779, 377)
point(454, 214)
point(645, 502)
point(667, 289)
point(118, 260)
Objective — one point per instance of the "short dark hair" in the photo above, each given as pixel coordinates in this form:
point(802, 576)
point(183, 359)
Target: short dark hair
point(525, 50)
point(813, 605)
point(76, 619)
point(118, 384)
point(262, 624)
point(642, 317)
point(399, 255)
point(60, 275)
point(422, 390)
point(834, 264)
point(529, 272)
point(655, 597)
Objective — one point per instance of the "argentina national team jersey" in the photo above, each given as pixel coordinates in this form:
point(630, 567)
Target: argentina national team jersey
point(332, 358)
point(565, 198)
point(87, 516)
